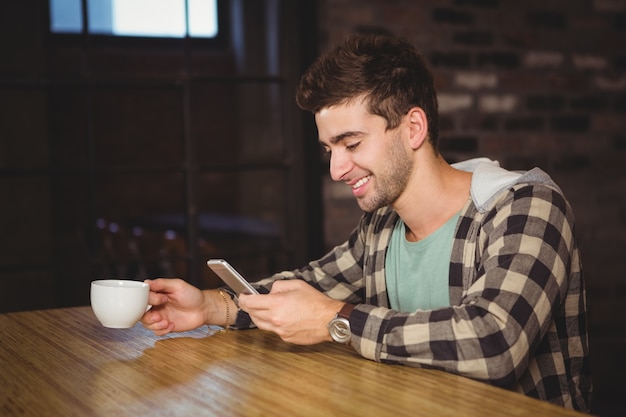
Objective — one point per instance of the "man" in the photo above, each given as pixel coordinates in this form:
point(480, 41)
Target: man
point(468, 268)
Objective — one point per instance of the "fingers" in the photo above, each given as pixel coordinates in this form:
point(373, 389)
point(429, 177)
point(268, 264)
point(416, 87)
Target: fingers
point(150, 317)
point(286, 285)
point(161, 328)
point(267, 301)
point(250, 302)
point(157, 299)
point(159, 288)
point(170, 298)
point(264, 310)
point(155, 322)
point(164, 285)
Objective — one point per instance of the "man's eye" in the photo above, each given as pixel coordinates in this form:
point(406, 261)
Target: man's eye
point(353, 146)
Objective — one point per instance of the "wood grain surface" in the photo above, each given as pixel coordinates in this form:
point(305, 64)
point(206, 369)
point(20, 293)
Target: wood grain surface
point(64, 363)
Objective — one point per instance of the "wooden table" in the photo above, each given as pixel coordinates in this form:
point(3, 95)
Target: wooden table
point(63, 363)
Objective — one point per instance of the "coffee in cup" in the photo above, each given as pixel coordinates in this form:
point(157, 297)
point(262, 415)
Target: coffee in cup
point(119, 303)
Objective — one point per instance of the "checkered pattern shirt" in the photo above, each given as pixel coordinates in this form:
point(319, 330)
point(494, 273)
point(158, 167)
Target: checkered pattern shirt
point(518, 313)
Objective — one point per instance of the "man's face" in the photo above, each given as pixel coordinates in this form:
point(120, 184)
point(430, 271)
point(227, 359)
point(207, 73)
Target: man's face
point(372, 161)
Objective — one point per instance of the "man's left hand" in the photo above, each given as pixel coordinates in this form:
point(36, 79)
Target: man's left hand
point(294, 310)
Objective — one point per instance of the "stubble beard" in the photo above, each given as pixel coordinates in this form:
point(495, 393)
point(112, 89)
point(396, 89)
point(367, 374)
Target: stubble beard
point(392, 181)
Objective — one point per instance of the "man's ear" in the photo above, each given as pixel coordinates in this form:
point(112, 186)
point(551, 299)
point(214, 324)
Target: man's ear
point(418, 127)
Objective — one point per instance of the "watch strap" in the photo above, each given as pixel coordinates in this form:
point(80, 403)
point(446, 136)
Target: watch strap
point(346, 310)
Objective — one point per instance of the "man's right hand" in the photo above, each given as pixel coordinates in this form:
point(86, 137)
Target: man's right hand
point(177, 306)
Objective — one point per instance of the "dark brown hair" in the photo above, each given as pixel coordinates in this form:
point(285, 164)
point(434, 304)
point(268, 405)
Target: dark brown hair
point(388, 72)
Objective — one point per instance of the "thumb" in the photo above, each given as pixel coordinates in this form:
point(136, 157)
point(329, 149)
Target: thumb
point(285, 285)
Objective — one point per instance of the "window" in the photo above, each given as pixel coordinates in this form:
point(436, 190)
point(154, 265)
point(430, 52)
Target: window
point(140, 18)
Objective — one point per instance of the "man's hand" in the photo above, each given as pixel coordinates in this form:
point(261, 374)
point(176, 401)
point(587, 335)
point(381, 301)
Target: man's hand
point(176, 306)
point(294, 310)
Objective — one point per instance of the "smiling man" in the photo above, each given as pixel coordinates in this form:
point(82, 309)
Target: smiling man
point(467, 268)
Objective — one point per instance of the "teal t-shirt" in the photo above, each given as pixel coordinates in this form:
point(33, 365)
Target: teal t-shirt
point(417, 273)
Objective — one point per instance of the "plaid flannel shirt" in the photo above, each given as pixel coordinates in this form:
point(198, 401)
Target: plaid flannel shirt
point(518, 312)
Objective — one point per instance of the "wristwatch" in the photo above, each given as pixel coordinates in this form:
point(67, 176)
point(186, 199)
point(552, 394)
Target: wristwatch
point(339, 327)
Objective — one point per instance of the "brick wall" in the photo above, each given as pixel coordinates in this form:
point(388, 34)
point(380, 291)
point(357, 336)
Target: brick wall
point(532, 83)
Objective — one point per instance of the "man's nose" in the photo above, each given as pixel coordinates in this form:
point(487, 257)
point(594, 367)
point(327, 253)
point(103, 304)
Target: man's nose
point(340, 165)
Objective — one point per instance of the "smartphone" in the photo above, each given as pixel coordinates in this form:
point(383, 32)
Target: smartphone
point(231, 277)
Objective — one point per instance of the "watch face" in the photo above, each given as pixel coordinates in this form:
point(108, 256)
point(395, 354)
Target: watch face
point(340, 330)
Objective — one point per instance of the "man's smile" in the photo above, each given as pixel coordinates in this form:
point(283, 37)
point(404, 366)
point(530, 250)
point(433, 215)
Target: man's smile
point(357, 186)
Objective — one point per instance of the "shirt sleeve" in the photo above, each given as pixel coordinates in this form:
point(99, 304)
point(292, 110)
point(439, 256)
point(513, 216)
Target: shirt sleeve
point(338, 274)
point(522, 269)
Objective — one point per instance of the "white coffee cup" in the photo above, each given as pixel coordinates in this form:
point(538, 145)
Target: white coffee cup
point(119, 303)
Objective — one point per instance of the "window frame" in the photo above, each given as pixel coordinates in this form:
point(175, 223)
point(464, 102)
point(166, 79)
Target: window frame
point(220, 41)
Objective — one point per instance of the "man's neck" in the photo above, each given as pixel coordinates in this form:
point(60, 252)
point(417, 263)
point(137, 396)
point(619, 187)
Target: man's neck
point(435, 193)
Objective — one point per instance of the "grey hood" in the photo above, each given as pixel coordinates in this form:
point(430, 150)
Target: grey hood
point(489, 180)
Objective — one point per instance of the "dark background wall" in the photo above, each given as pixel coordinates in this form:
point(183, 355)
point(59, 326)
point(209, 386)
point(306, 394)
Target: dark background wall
point(529, 83)
point(136, 158)
point(532, 83)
